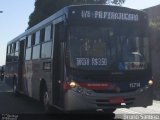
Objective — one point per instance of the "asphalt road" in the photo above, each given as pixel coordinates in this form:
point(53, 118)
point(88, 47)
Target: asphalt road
point(28, 108)
point(17, 105)
point(21, 105)
point(20, 108)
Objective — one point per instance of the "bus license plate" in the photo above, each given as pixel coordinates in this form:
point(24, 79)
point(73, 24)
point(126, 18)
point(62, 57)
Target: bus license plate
point(116, 100)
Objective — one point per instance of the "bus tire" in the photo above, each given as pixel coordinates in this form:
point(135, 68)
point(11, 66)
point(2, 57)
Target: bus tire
point(45, 100)
point(15, 91)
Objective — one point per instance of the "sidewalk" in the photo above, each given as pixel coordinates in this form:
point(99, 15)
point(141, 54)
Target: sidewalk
point(4, 87)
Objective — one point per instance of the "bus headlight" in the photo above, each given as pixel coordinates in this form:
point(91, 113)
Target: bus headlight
point(150, 82)
point(69, 85)
point(72, 84)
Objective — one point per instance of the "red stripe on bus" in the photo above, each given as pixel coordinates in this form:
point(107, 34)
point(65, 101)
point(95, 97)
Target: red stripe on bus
point(116, 100)
point(96, 86)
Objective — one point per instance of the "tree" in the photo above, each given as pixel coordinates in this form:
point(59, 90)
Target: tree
point(45, 8)
point(117, 2)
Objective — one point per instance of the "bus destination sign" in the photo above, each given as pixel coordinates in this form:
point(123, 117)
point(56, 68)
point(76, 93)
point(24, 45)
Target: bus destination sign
point(110, 15)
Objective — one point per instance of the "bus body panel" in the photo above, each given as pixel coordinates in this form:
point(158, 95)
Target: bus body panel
point(57, 70)
point(76, 101)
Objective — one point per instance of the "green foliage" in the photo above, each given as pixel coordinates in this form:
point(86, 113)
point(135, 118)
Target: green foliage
point(117, 2)
point(45, 8)
point(155, 23)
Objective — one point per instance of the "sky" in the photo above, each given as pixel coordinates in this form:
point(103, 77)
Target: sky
point(15, 17)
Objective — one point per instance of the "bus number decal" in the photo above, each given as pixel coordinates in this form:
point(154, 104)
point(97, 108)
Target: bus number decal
point(82, 61)
point(99, 61)
point(134, 85)
point(92, 61)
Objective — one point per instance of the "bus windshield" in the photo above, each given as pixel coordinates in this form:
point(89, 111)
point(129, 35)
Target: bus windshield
point(102, 48)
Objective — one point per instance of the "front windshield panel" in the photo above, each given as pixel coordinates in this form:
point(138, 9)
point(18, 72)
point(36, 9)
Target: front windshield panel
point(102, 48)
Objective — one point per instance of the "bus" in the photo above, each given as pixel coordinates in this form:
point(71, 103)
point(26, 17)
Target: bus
point(84, 57)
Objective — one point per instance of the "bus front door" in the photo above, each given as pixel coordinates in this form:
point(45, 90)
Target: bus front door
point(21, 66)
point(58, 68)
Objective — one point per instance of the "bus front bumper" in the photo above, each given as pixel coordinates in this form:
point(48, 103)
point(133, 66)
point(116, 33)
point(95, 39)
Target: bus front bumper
point(81, 101)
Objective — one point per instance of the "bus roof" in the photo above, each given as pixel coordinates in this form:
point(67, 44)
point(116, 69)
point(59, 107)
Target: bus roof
point(65, 11)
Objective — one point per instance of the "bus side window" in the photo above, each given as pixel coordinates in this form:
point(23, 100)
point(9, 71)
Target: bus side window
point(17, 46)
point(52, 30)
point(12, 52)
point(16, 55)
point(8, 49)
point(37, 39)
point(33, 39)
point(28, 47)
point(8, 54)
point(29, 41)
point(28, 54)
point(14, 47)
point(48, 33)
point(42, 34)
point(46, 50)
point(26, 42)
point(36, 52)
point(36, 46)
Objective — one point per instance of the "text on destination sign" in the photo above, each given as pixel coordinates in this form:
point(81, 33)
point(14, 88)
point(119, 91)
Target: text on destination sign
point(109, 15)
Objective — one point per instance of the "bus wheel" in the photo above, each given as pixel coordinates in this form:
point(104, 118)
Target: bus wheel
point(15, 89)
point(45, 100)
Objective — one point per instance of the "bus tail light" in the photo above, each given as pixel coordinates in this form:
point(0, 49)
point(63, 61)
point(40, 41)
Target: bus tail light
point(97, 86)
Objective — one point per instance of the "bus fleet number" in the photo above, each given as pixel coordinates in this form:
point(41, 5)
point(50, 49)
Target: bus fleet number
point(134, 85)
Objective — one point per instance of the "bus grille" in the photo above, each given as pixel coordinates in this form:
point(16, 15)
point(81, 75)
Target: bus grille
point(106, 103)
point(114, 91)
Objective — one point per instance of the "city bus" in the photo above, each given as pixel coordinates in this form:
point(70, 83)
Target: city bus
point(84, 57)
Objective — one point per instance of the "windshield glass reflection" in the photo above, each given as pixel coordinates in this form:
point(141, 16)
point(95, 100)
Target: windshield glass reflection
point(102, 48)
